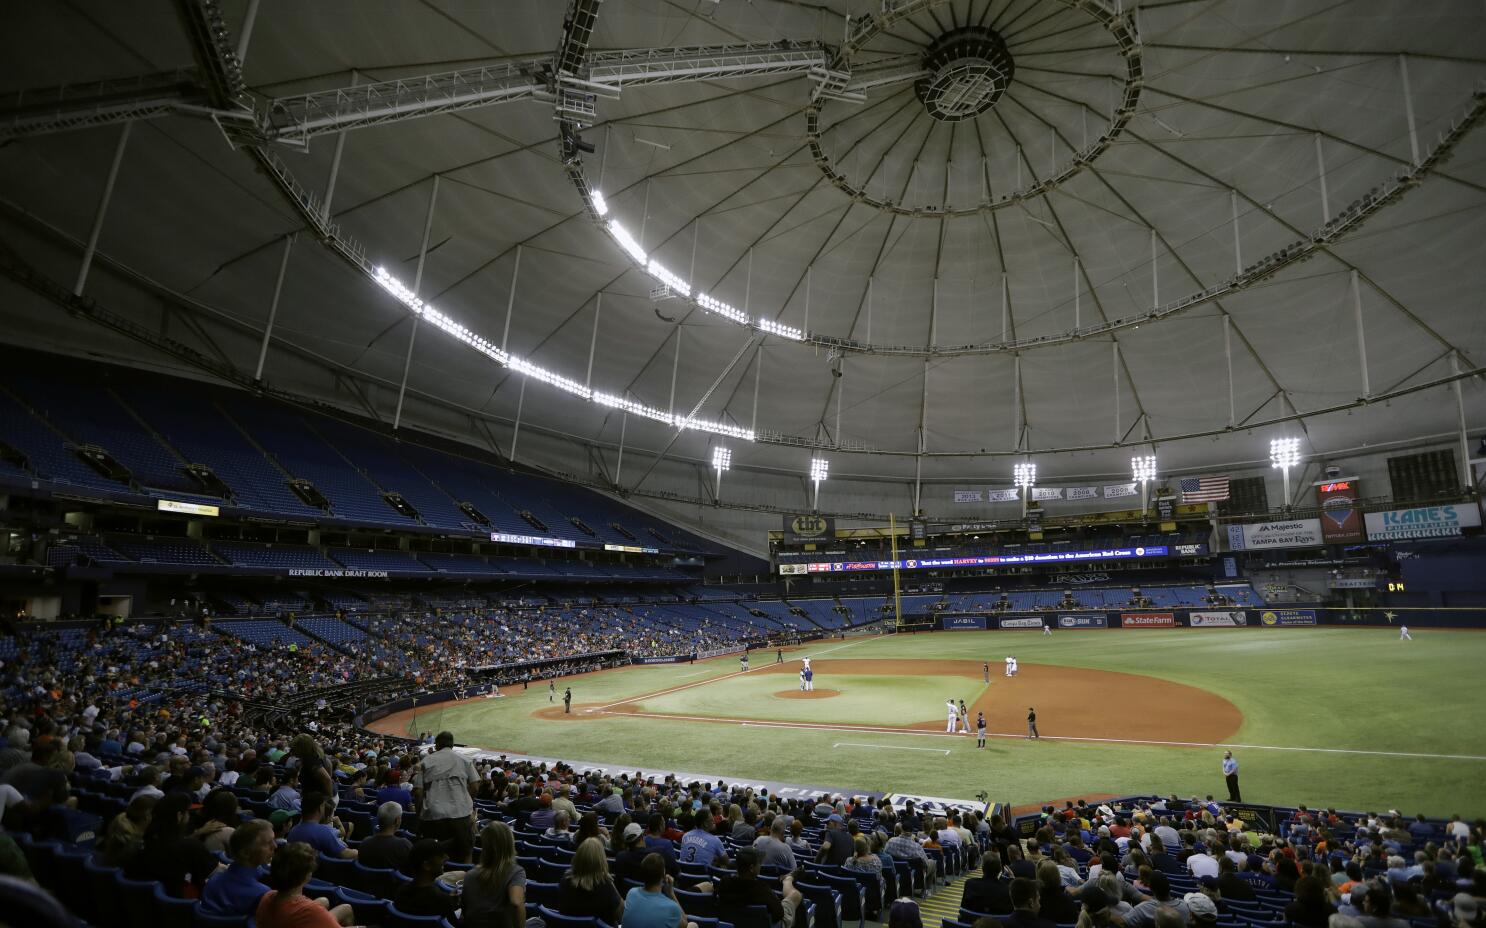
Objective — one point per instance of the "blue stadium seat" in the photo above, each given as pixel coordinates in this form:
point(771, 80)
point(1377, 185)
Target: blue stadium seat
point(171, 912)
point(370, 879)
point(827, 902)
point(138, 898)
point(369, 909)
point(399, 919)
point(103, 893)
point(556, 919)
point(697, 903)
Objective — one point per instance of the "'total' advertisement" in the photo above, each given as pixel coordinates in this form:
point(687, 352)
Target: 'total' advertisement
point(1148, 620)
point(1341, 522)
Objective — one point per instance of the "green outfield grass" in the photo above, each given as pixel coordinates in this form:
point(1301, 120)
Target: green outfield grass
point(1309, 698)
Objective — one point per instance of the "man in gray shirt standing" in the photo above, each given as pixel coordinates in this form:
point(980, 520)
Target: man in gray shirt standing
point(448, 808)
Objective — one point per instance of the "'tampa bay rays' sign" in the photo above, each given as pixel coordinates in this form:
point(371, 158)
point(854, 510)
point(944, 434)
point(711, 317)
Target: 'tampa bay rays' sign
point(1421, 522)
point(1295, 533)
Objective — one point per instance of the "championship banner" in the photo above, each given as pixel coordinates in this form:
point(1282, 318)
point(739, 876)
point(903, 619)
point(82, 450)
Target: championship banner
point(808, 528)
point(969, 496)
point(1002, 496)
point(1121, 489)
point(1232, 619)
point(1341, 522)
point(1295, 533)
point(1287, 617)
point(1422, 522)
point(1083, 492)
point(1031, 621)
point(963, 623)
point(1099, 620)
point(1148, 620)
point(1039, 493)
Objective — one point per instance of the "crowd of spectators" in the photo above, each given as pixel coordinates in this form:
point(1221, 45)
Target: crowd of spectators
point(152, 742)
point(1172, 863)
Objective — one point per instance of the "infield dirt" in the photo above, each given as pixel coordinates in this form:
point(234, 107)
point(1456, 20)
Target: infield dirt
point(1071, 702)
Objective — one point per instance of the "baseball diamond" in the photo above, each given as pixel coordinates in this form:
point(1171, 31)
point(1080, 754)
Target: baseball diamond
point(1112, 706)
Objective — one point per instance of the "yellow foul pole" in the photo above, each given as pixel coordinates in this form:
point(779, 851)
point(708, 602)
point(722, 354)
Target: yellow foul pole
point(892, 524)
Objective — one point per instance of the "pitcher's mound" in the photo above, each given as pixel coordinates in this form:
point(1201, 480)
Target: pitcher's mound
point(813, 694)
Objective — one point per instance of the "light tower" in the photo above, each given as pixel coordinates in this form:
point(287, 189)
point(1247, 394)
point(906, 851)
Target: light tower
point(722, 460)
point(1024, 475)
point(1284, 453)
point(819, 468)
point(1143, 468)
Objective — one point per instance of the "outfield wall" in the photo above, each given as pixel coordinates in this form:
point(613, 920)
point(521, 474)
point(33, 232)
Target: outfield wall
point(1214, 617)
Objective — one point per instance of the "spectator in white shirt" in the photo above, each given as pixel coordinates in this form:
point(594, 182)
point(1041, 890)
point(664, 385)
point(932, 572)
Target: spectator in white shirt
point(1203, 864)
point(149, 783)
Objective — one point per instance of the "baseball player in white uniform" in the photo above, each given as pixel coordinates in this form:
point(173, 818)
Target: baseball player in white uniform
point(954, 714)
point(1008, 666)
point(1014, 667)
point(1047, 629)
point(1403, 633)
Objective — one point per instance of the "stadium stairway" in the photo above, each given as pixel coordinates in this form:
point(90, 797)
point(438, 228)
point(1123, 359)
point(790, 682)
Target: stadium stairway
point(945, 903)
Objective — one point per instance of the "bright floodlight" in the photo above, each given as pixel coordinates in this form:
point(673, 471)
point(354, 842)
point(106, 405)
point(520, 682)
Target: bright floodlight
point(1024, 475)
point(1143, 468)
point(600, 205)
point(819, 468)
point(722, 458)
point(1284, 453)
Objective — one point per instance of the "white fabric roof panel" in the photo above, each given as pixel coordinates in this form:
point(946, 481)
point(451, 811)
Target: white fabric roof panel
point(1235, 97)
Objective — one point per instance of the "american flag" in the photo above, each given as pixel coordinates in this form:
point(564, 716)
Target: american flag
point(1204, 489)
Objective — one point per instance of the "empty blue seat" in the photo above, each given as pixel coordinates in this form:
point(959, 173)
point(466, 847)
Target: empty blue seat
point(371, 879)
point(691, 903)
point(103, 893)
point(369, 910)
point(546, 893)
point(399, 919)
point(556, 919)
point(203, 919)
point(138, 898)
point(171, 912)
point(337, 871)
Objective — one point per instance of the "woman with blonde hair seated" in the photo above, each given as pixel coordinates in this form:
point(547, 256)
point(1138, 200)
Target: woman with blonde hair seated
point(587, 889)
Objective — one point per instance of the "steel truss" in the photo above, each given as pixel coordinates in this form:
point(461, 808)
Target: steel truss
point(298, 118)
point(81, 106)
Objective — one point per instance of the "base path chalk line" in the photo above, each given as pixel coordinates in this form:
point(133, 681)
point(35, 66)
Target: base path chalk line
point(726, 676)
point(887, 730)
point(886, 747)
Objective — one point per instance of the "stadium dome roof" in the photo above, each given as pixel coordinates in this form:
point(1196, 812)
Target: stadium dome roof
point(920, 238)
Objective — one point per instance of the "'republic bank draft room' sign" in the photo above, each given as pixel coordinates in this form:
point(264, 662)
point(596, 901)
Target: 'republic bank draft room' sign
point(1422, 522)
